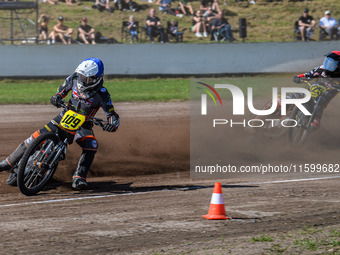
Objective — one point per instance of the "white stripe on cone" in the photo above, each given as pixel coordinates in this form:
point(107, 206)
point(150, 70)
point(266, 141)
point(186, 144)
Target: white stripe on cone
point(217, 199)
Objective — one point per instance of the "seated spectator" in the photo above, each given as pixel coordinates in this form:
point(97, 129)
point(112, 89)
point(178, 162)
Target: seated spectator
point(185, 5)
point(124, 5)
point(173, 30)
point(165, 6)
point(50, 1)
point(60, 31)
point(154, 26)
point(205, 4)
point(306, 25)
point(222, 26)
point(68, 2)
point(86, 33)
point(43, 27)
point(329, 25)
point(132, 26)
point(209, 16)
point(199, 25)
point(102, 5)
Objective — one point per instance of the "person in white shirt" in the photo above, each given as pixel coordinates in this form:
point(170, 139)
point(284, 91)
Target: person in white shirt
point(330, 25)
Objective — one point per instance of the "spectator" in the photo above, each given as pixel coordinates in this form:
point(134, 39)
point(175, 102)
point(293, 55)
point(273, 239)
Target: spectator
point(185, 5)
point(86, 33)
point(154, 26)
point(124, 5)
point(68, 2)
point(329, 25)
point(212, 3)
point(43, 27)
point(199, 25)
point(60, 31)
point(209, 16)
point(165, 6)
point(132, 26)
point(306, 25)
point(173, 30)
point(102, 5)
point(50, 1)
point(222, 26)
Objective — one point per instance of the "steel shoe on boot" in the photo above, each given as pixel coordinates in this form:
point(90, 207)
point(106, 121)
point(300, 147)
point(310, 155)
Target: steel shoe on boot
point(79, 184)
point(315, 124)
point(4, 166)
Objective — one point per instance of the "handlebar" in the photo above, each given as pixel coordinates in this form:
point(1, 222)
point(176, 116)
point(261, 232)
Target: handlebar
point(97, 121)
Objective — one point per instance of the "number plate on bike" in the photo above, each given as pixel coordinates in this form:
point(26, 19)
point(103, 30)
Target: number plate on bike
point(317, 90)
point(72, 120)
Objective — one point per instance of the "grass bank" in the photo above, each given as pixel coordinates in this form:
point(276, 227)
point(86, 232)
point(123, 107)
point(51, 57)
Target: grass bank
point(40, 91)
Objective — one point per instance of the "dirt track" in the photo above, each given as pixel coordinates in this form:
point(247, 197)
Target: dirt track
point(148, 203)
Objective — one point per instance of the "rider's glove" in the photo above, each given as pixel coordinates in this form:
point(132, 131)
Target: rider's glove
point(113, 124)
point(109, 127)
point(56, 100)
point(297, 79)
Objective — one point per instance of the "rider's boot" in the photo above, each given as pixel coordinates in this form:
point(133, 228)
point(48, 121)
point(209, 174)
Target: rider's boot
point(79, 183)
point(4, 166)
point(9, 162)
point(84, 163)
point(315, 124)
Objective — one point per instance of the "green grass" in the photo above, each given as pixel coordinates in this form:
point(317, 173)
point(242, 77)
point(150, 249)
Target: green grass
point(266, 22)
point(152, 89)
point(262, 238)
point(40, 91)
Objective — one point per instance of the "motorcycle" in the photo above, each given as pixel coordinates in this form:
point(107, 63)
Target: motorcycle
point(40, 160)
point(298, 134)
point(274, 127)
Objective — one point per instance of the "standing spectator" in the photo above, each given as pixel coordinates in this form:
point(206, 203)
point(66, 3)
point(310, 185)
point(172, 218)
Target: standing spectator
point(43, 27)
point(222, 26)
point(212, 3)
point(154, 26)
point(199, 25)
point(165, 6)
point(132, 26)
point(329, 25)
point(185, 5)
point(60, 31)
point(306, 25)
point(86, 33)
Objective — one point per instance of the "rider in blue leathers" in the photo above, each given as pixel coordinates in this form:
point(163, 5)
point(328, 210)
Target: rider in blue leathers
point(88, 95)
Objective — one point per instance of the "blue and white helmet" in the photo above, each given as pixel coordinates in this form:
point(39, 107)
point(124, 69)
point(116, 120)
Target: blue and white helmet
point(90, 75)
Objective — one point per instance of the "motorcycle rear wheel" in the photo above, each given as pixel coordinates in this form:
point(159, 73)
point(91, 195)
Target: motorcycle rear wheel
point(31, 178)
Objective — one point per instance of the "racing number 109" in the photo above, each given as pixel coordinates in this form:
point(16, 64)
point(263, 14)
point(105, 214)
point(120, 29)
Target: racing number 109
point(71, 120)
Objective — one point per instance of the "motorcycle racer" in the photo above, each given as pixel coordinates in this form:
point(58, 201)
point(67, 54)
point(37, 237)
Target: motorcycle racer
point(327, 73)
point(88, 95)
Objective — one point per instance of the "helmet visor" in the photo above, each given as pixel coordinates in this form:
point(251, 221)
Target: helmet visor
point(87, 81)
point(329, 64)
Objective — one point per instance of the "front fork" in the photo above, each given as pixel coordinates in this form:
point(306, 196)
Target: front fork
point(313, 113)
point(49, 156)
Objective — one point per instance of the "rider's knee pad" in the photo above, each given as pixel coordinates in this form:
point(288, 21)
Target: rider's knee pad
point(89, 144)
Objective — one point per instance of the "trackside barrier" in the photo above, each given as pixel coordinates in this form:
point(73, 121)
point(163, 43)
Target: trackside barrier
point(165, 59)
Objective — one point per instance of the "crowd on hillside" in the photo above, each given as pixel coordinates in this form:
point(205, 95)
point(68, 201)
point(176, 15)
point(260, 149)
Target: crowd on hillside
point(207, 21)
point(305, 26)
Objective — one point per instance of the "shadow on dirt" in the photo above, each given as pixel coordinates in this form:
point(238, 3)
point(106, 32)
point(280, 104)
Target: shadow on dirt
point(113, 187)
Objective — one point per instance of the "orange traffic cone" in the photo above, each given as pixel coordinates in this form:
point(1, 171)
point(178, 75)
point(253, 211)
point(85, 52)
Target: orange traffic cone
point(217, 209)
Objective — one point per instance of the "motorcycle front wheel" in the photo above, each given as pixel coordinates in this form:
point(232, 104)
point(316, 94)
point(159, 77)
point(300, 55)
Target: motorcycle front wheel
point(298, 134)
point(34, 171)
